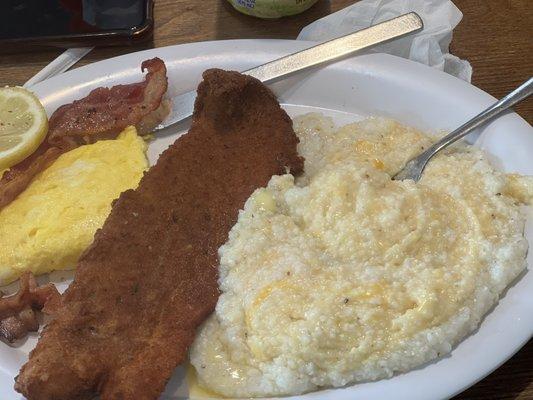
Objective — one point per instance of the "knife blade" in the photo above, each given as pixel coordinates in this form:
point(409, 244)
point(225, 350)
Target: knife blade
point(335, 49)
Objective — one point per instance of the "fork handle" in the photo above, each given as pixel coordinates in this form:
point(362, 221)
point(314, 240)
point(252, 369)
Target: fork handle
point(517, 95)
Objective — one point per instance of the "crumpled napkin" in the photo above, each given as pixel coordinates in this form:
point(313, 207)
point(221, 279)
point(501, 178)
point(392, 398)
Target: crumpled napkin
point(430, 47)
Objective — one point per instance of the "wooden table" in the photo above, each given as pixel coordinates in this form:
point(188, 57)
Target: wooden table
point(496, 36)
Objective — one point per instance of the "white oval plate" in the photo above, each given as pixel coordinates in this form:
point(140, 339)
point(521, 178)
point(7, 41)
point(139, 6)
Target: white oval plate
point(375, 84)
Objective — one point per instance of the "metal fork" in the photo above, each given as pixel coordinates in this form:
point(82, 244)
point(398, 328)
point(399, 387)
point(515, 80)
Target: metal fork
point(414, 168)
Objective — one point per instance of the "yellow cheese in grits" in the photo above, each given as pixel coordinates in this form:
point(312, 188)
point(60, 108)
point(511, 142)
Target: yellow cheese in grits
point(52, 222)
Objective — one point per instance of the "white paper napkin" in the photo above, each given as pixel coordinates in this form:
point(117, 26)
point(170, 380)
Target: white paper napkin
point(430, 47)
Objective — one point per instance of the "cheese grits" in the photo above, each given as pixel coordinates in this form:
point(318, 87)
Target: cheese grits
point(343, 275)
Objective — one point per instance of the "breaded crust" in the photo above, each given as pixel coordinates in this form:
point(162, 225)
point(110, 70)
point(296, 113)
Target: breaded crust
point(150, 276)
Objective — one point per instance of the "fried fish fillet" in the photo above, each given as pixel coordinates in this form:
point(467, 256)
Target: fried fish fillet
point(102, 114)
point(150, 276)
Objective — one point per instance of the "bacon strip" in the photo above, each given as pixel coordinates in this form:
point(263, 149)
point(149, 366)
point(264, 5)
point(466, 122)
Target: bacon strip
point(17, 312)
point(103, 114)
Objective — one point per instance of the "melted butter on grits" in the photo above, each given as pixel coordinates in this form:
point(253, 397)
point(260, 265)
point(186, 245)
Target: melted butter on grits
point(49, 225)
point(345, 275)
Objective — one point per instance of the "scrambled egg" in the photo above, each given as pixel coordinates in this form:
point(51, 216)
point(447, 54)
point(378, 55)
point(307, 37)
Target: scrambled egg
point(51, 223)
point(344, 275)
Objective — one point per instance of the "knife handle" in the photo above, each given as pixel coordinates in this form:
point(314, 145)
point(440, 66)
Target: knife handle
point(183, 105)
point(338, 48)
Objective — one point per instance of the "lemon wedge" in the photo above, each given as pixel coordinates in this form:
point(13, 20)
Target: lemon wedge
point(23, 125)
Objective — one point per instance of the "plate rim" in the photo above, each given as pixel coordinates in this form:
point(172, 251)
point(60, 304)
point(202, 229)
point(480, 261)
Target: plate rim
point(134, 70)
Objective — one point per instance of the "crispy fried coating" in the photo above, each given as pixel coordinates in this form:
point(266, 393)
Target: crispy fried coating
point(150, 277)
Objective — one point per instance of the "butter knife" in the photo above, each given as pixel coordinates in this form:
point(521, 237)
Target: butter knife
point(335, 49)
